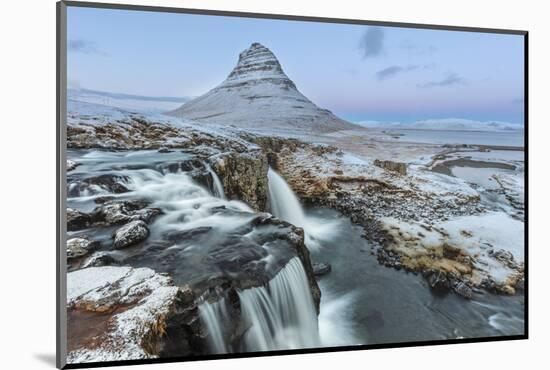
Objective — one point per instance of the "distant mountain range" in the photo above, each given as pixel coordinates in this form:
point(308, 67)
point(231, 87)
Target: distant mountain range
point(257, 94)
point(141, 103)
point(455, 124)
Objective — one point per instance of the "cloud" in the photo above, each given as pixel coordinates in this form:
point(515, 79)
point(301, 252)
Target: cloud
point(394, 70)
point(84, 47)
point(372, 42)
point(451, 80)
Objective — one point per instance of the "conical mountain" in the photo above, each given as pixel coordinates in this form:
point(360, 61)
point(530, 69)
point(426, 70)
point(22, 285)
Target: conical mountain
point(257, 94)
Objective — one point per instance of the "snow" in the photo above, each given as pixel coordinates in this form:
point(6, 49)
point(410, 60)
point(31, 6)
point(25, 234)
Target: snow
point(495, 228)
point(149, 294)
point(142, 104)
point(258, 94)
point(436, 183)
point(457, 124)
point(83, 281)
point(477, 235)
point(351, 159)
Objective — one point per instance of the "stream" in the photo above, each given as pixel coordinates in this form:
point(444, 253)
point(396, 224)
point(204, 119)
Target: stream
point(362, 302)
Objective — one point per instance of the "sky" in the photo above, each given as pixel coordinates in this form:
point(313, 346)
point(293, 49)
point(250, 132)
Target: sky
point(360, 72)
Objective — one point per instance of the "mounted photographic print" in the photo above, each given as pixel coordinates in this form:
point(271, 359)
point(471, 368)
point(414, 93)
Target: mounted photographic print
point(235, 184)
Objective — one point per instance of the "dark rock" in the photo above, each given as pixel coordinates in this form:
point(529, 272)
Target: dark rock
point(462, 289)
point(183, 329)
point(103, 199)
point(99, 259)
point(77, 220)
point(438, 281)
point(146, 215)
point(165, 150)
point(244, 177)
point(320, 268)
point(119, 212)
point(130, 234)
point(109, 182)
point(175, 236)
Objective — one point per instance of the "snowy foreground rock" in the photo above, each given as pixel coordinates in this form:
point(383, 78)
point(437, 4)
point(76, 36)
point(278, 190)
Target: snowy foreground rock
point(124, 313)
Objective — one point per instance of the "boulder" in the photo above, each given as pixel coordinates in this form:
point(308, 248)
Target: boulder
point(93, 185)
point(130, 234)
point(463, 289)
point(121, 313)
point(119, 212)
point(399, 167)
point(77, 220)
point(320, 268)
point(80, 246)
point(437, 280)
point(99, 259)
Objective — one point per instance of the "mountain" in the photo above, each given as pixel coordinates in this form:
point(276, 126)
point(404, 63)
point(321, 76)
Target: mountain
point(452, 124)
point(257, 94)
point(141, 103)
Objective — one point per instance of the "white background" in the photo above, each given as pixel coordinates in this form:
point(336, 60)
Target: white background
point(27, 196)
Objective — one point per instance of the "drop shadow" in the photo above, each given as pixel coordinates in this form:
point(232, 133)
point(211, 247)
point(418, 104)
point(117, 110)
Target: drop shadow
point(46, 358)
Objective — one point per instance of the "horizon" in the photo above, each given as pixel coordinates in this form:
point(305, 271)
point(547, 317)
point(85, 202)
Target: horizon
point(360, 73)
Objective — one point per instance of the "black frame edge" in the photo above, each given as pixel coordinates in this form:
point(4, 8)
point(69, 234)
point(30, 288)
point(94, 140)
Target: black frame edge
point(526, 182)
point(289, 17)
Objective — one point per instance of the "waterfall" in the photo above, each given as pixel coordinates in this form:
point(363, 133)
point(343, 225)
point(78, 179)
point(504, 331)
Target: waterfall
point(213, 316)
point(278, 316)
point(284, 203)
point(218, 187)
point(281, 315)
point(286, 206)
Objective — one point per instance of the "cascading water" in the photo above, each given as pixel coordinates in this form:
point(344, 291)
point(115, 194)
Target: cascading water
point(278, 316)
point(213, 316)
point(284, 203)
point(218, 187)
point(286, 206)
point(281, 315)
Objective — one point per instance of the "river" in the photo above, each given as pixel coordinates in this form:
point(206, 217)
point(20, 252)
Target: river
point(362, 302)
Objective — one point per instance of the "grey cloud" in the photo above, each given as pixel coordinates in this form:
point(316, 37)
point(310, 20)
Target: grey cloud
point(451, 80)
point(372, 42)
point(388, 72)
point(392, 71)
point(84, 47)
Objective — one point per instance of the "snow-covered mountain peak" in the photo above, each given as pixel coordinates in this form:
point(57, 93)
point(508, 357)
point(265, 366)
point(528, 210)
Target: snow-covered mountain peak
point(257, 63)
point(258, 94)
